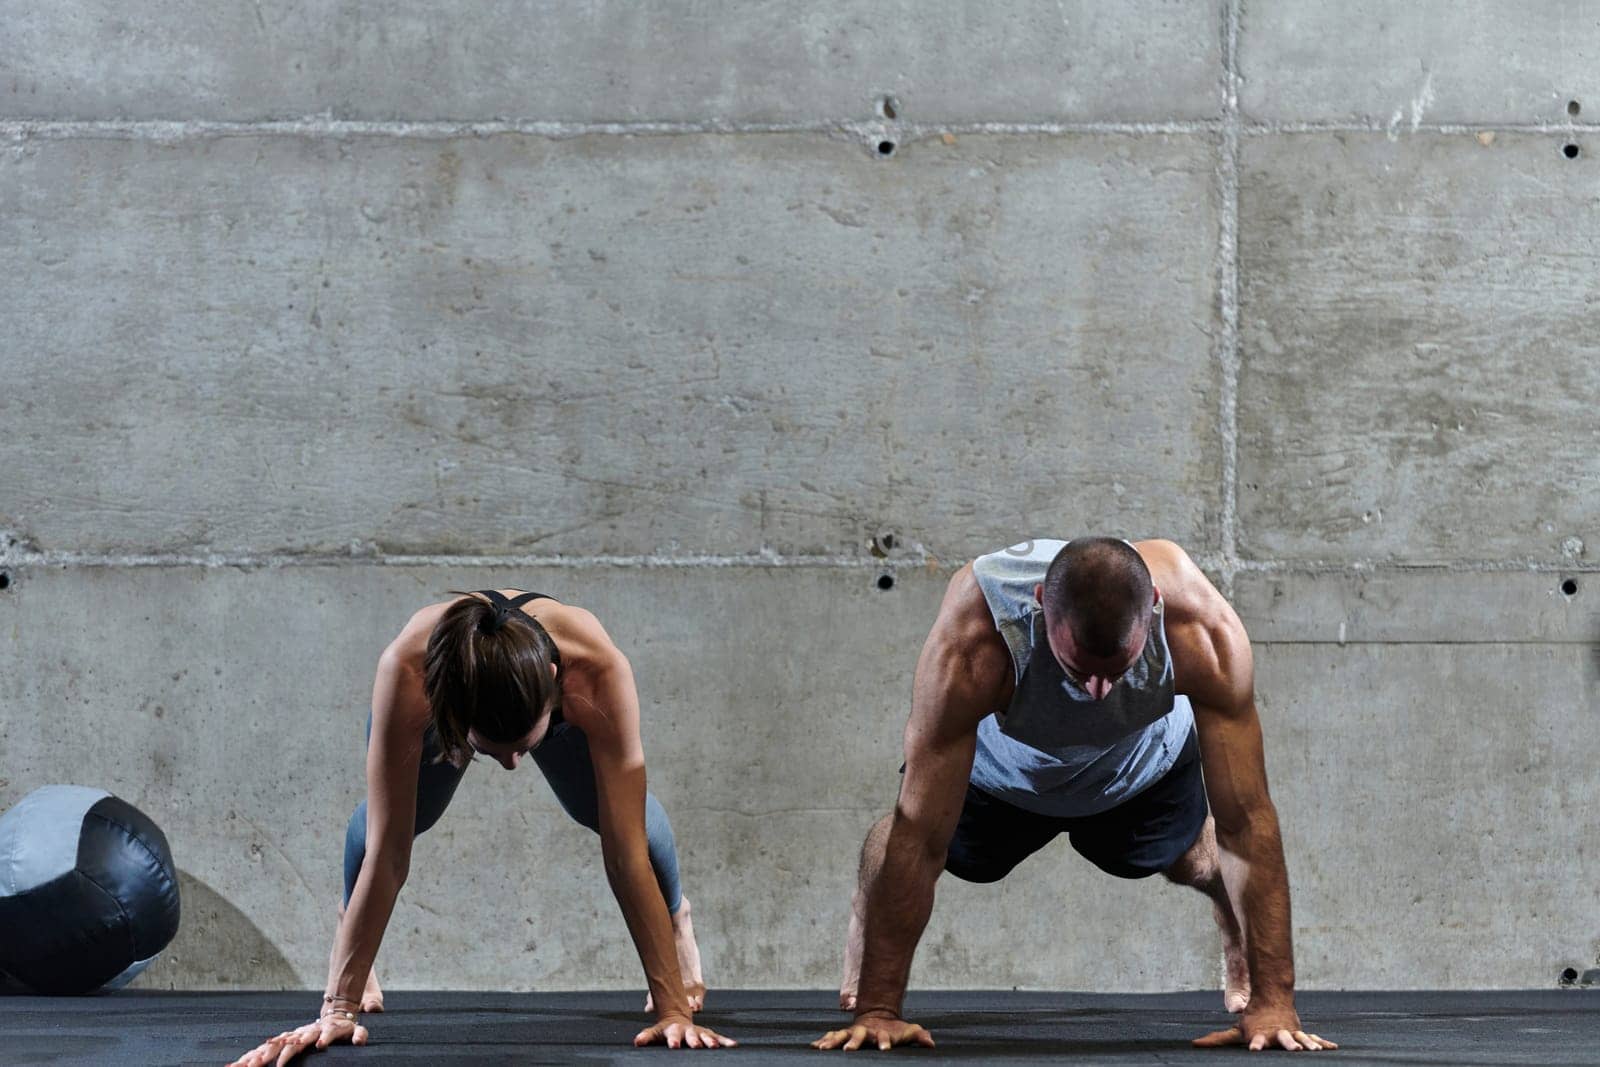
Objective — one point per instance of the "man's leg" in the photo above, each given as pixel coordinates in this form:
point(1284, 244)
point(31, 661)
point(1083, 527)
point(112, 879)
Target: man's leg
point(1200, 867)
point(872, 850)
point(990, 839)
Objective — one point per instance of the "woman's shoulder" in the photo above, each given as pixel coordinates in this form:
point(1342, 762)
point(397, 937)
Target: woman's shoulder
point(577, 632)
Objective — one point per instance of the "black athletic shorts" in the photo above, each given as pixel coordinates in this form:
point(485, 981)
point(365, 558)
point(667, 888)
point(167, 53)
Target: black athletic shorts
point(1135, 839)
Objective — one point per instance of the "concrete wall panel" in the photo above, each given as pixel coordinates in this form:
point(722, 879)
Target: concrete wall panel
point(721, 61)
point(1438, 807)
point(1429, 61)
point(1421, 607)
point(1417, 369)
point(660, 345)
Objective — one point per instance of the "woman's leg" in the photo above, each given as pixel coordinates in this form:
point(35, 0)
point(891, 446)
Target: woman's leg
point(563, 757)
point(436, 784)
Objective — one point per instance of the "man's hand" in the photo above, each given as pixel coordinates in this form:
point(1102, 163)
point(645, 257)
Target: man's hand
point(1266, 1027)
point(677, 1031)
point(880, 1029)
point(279, 1050)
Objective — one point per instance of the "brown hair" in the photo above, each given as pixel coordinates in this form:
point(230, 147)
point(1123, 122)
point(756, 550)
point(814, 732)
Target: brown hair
point(487, 670)
point(1101, 588)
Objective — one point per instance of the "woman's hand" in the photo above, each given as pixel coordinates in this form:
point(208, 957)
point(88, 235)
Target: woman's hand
point(328, 1030)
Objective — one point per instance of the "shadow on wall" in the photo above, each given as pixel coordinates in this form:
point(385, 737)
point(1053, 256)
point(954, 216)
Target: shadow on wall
point(217, 947)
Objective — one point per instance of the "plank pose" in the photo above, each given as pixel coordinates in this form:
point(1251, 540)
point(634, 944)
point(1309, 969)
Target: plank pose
point(1081, 687)
point(504, 674)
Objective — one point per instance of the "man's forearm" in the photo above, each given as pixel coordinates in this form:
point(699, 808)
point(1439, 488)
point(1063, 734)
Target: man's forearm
point(899, 901)
point(633, 883)
point(1257, 878)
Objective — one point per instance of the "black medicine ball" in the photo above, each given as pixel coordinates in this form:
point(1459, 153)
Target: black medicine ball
point(88, 890)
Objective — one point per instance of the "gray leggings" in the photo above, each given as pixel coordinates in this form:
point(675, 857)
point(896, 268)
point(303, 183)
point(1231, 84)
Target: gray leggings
point(563, 756)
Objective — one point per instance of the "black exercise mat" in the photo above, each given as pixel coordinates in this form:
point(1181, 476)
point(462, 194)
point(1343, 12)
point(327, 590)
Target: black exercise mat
point(1549, 1027)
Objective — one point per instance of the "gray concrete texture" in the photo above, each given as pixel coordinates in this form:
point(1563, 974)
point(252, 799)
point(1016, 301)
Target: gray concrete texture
point(328, 308)
point(693, 61)
point(1402, 65)
point(592, 346)
point(1419, 369)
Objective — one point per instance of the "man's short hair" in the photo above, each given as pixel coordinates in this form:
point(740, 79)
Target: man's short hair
point(1102, 590)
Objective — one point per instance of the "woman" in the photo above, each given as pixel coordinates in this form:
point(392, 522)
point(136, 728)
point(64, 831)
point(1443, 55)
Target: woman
point(503, 674)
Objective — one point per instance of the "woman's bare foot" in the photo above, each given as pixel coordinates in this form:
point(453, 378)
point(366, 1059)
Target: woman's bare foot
point(372, 996)
point(694, 982)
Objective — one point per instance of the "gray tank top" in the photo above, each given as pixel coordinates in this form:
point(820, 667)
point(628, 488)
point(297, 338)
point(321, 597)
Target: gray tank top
point(1053, 750)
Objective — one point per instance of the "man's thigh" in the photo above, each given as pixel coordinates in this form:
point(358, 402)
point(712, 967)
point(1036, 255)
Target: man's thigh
point(992, 837)
point(1150, 832)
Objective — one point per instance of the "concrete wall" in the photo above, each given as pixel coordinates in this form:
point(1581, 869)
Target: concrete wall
point(316, 310)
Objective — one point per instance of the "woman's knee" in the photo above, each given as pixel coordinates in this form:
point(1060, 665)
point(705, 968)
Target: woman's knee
point(657, 827)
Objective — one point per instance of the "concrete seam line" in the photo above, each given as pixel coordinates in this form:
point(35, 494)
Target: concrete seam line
point(266, 561)
point(185, 129)
point(770, 560)
point(1228, 294)
point(173, 130)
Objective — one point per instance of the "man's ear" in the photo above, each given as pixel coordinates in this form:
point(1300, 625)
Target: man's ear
point(1038, 594)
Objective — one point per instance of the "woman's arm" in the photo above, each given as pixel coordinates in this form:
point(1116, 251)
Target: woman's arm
point(394, 754)
point(604, 704)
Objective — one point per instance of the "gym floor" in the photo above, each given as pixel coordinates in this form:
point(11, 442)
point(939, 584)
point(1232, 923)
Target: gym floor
point(1545, 1027)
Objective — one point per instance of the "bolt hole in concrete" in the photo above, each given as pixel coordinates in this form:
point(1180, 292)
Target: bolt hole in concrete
point(885, 148)
point(1573, 107)
point(5, 580)
point(1568, 587)
point(889, 107)
point(1568, 976)
point(1570, 151)
point(885, 582)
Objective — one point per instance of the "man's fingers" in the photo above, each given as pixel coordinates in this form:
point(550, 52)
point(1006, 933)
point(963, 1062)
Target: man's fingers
point(1231, 1036)
point(1324, 1042)
point(924, 1038)
point(831, 1039)
point(884, 1044)
point(712, 1039)
point(1312, 1041)
point(858, 1034)
point(1258, 1042)
point(1286, 1039)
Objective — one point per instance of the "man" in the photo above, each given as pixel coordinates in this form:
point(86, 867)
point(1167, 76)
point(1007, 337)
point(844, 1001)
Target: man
point(1081, 687)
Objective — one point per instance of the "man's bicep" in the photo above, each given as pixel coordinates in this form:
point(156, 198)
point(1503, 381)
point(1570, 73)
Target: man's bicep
point(935, 787)
point(949, 701)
